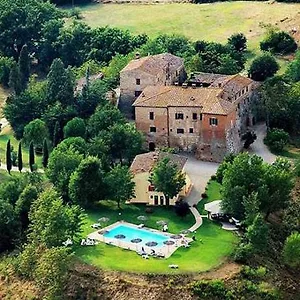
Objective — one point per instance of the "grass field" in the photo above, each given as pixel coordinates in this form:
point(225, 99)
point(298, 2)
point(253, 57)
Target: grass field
point(212, 22)
point(213, 193)
point(6, 135)
point(201, 256)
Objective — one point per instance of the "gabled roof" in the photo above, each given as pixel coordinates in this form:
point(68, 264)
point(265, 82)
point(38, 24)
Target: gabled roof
point(155, 64)
point(145, 162)
point(208, 99)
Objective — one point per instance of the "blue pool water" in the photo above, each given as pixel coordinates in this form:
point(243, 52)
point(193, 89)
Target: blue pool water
point(134, 233)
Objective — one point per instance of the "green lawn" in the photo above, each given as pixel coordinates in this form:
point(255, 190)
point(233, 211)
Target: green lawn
point(217, 243)
point(4, 137)
point(213, 193)
point(212, 22)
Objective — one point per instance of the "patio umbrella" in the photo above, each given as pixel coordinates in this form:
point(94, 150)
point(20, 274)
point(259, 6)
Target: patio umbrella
point(151, 244)
point(120, 236)
point(104, 220)
point(176, 236)
point(185, 231)
point(169, 243)
point(161, 223)
point(142, 218)
point(136, 241)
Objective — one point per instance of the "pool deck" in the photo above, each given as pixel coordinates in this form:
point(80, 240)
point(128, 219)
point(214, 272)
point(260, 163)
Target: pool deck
point(166, 250)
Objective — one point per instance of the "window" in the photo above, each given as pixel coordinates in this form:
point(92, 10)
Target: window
point(151, 115)
point(180, 130)
point(151, 188)
point(137, 93)
point(194, 116)
point(213, 121)
point(179, 116)
point(200, 117)
point(191, 130)
point(152, 129)
point(138, 81)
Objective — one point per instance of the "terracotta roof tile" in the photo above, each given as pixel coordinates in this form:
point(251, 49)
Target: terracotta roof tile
point(146, 162)
point(175, 96)
point(155, 64)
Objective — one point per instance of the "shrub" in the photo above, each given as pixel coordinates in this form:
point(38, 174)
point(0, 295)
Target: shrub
point(204, 195)
point(252, 273)
point(279, 42)
point(243, 252)
point(213, 289)
point(213, 177)
point(149, 210)
point(75, 128)
point(276, 139)
point(182, 208)
point(5, 66)
point(262, 67)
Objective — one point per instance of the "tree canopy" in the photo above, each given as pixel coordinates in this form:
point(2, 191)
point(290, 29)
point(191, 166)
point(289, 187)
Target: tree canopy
point(167, 178)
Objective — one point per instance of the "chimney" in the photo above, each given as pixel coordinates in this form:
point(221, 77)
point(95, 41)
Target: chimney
point(193, 85)
point(176, 83)
point(184, 85)
point(137, 55)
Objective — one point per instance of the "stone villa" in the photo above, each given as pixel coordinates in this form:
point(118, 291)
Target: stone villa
point(141, 169)
point(207, 115)
point(156, 70)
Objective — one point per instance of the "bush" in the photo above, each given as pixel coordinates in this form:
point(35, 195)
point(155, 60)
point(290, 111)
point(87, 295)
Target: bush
point(182, 208)
point(213, 289)
point(213, 177)
point(75, 128)
point(243, 252)
point(279, 42)
point(204, 195)
point(276, 139)
point(262, 67)
point(252, 273)
point(149, 210)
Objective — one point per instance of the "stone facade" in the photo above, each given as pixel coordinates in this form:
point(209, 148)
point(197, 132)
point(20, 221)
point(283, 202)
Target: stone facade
point(162, 69)
point(208, 121)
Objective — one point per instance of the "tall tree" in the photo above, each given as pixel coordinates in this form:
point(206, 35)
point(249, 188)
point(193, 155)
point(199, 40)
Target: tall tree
point(63, 162)
point(87, 183)
point(120, 177)
point(56, 134)
point(45, 153)
point(60, 86)
point(8, 157)
point(167, 178)
point(24, 66)
point(36, 131)
point(15, 79)
point(20, 159)
point(51, 221)
point(31, 157)
point(257, 233)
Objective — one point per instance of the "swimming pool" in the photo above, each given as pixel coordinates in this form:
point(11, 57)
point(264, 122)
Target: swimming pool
point(132, 233)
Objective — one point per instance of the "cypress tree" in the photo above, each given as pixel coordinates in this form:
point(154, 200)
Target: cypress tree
point(45, 153)
point(24, 66)
point(56, 134)
point(14, 79)
point(31, 157)
point(20, 160)
point(8, 157)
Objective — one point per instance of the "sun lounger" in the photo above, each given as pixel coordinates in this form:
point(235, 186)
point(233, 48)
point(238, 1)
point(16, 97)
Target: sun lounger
point(140, 226)
point(173, 266)
point(96, 226)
